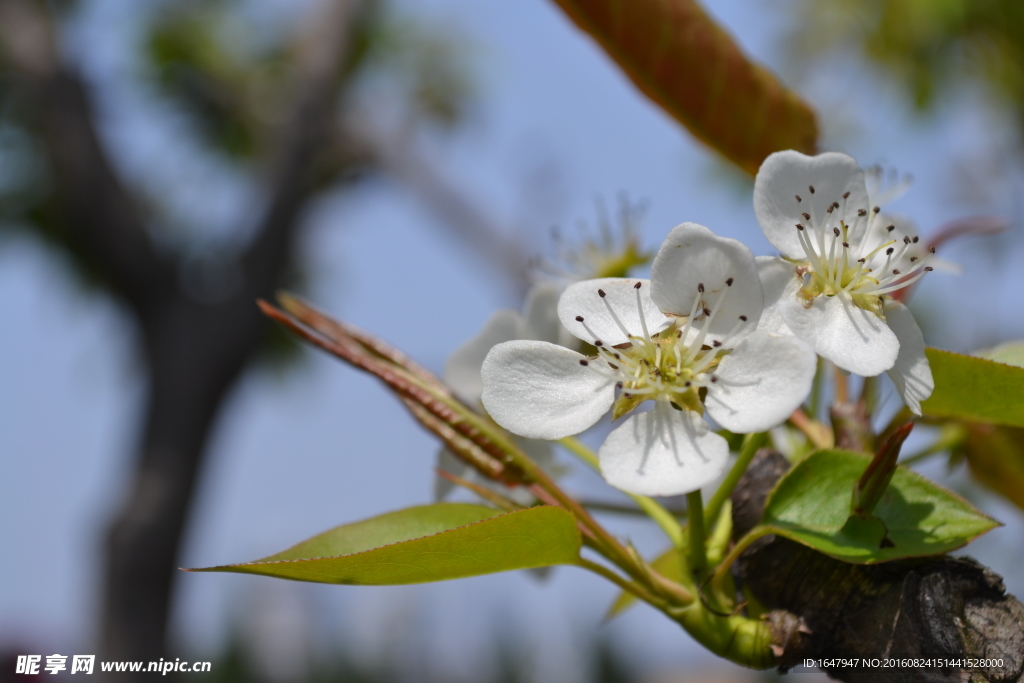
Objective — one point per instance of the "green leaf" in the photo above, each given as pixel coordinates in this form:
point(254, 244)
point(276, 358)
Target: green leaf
point(426, 543)
point(915, 517)
point(680, 58)
point(975, 389)
point(668, 564)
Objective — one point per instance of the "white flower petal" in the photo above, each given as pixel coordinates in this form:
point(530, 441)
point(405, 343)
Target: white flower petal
point(582, 300)
point(854, 339)
point(692, 256)
point(785, 175)
point(541, 313)
point(911, 374)
point(462, 370)
point(761, 383)
point(663, 452)
point(779, 282)
point(541, 391)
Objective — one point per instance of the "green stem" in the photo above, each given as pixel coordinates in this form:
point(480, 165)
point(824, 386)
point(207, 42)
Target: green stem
point(814, 408)
point(624, 509)
point(697, 555)
point(740, 639)
point(751, 444)
point(623, 583)
point(722, 570)
point(869, 395)
point(655, 510)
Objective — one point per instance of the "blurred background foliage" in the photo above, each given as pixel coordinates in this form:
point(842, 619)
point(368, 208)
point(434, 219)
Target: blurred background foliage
point(931, 48)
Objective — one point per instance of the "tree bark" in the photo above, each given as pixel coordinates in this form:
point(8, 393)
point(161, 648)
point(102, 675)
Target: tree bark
point(823, 608)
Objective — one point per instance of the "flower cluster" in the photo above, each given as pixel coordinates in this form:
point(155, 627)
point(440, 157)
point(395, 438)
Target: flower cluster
point(717, 333)
point(842, 261)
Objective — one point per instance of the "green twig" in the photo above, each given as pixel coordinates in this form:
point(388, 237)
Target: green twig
point(655, 510)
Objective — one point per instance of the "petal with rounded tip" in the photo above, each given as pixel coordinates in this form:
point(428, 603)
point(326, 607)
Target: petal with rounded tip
point(761, 383)
point(692, 256)
point(663, 452)
point(785, 175)
point(462, 370)
point(854, 339)
point(911, 374)
point(582, 300)
point(541, 391)
point(779, 282)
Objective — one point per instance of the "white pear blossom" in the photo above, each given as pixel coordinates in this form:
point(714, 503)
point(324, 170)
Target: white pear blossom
point(538, 321)
point(686, 340)
point(843, 261)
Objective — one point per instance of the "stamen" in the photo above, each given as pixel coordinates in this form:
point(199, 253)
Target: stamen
point(640, 311)
point(611, 312)
point(706, 326)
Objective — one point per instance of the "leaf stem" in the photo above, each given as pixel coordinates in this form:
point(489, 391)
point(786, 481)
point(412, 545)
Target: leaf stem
point(751, 444)
point(655, 510)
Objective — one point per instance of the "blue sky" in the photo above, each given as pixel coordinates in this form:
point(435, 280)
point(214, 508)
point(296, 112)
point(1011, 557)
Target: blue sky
point(297, 453)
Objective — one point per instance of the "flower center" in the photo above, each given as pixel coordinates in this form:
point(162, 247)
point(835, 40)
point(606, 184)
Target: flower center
point(676, 363)
point(875, 263)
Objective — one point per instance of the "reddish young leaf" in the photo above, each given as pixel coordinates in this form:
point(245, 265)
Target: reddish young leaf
point(687, 64)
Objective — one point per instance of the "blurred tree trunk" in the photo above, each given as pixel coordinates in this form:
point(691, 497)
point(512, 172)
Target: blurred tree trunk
point(195, 348)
